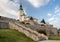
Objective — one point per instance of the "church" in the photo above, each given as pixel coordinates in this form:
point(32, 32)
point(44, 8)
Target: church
point(32, 23)
point(29, 22)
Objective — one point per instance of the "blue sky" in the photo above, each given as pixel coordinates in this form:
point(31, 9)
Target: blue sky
point(47, 9)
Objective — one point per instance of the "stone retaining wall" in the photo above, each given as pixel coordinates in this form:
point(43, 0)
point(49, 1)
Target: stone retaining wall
point(28, 32)
point(4, 25)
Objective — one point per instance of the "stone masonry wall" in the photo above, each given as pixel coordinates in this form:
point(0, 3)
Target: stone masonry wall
point(4, 25)
point(28, 32)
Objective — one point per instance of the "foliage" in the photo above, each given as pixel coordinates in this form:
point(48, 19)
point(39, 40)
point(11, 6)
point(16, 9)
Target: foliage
point(31, 18)
point(43, 21)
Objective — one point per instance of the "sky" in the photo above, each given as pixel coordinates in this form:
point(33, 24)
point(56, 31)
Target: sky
point(40, 9)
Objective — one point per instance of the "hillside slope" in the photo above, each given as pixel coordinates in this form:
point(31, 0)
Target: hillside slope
point(8, 35)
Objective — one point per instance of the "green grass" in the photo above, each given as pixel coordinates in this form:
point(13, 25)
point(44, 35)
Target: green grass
point(8, 35)
point(54, 37)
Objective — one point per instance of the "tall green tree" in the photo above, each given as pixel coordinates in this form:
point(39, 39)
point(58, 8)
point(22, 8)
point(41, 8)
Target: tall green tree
point(31, 18)
point(43, 21)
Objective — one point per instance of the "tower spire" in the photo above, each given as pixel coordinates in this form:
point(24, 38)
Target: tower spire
point(21, 8)
point(21, 13)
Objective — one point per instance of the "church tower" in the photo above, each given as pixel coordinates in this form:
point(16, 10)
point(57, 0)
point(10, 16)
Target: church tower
point(21, 14)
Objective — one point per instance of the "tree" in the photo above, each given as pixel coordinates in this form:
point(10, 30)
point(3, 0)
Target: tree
point(31, 18)
point(43, 21)
point(0, 16)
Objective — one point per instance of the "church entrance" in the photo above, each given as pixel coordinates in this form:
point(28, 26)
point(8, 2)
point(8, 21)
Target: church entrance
point(42, 32)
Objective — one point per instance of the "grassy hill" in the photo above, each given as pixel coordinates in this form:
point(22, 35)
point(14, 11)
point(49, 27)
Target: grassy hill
point(8, 35)
point(54, 37)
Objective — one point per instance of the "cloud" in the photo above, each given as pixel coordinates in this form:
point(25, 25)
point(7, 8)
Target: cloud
point(57, 9)
point(49, 14)
point(51, 19)
point(8, 8)
point(55, 18)
point(55, 21)
point(38, 3)
point(54, 0)
point(3, 1)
